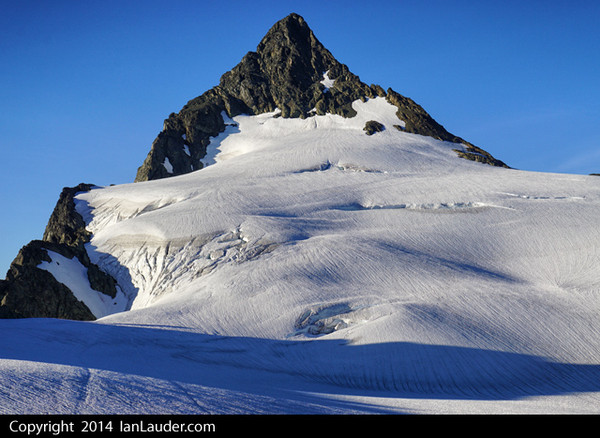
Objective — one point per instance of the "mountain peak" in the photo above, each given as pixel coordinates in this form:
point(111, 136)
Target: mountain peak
point(290, 53)
point(287, 73)
point(291, 33)
point(292, 25)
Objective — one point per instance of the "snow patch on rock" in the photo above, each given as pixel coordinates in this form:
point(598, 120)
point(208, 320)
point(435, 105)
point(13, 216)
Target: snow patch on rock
point(167, 164)
point(73, 274)
point(327, 82)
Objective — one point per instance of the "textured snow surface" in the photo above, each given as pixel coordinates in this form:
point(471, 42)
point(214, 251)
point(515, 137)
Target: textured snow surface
point(311, 268)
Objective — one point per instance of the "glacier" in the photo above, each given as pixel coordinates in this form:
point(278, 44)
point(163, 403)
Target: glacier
point(310, 268)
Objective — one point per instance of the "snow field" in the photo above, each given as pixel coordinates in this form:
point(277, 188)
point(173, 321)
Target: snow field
point(311, 268)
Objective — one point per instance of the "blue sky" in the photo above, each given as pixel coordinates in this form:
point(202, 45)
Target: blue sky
point(87, 84)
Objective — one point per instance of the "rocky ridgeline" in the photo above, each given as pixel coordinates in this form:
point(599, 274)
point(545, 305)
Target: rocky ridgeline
point(285, 72)
point(31, 292)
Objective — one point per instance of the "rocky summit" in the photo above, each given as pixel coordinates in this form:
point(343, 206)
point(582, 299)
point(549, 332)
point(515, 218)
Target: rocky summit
point(290, 71)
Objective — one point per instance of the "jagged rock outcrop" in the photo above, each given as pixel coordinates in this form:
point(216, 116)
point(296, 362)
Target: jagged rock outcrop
point(65, 224)
point(31, 292)
point(288, 71)
point(373, 126)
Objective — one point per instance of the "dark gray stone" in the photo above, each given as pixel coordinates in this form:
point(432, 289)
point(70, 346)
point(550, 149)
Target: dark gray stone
point(373, 126)
point(30, 292)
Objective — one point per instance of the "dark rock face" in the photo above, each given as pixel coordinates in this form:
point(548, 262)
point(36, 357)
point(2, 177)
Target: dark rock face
point(31, 292)
point(65, 224)
point(373, 126)
point(285, 72)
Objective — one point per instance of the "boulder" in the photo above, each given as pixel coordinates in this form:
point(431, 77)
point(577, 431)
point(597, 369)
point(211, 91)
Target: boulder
point(373, 126)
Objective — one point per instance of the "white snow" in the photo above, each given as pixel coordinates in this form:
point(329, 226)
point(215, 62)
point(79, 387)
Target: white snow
point(167, 164)
point(73, 274)
point(213, 148)
point(327, 82)
point(311, 268)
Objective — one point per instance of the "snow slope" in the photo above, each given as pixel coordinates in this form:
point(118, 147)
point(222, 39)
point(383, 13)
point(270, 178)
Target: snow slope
point(311, 268)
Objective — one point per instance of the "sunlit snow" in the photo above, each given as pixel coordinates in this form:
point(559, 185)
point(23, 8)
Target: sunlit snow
point(327, 82)
point(311, 268)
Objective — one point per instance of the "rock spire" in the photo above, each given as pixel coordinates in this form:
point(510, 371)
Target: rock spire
point(286, 72)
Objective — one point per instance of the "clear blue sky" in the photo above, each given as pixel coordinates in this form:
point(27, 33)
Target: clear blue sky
point(86, 84)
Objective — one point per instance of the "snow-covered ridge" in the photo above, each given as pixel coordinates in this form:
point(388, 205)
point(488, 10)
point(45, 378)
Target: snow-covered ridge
point(264, 130)
point(313, 268)
point(160, 236)
point(278, 186)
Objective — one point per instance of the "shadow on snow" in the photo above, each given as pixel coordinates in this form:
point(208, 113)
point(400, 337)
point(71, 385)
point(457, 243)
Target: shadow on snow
point(301, 369)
